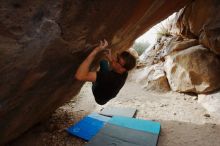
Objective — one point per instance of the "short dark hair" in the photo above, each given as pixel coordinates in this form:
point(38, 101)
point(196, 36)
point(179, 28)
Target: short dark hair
point(130, 60)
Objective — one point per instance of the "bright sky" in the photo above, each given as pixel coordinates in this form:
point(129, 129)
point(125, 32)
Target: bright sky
point(151, 34)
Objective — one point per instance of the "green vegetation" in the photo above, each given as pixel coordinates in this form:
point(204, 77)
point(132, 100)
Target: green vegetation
point(140, 47)
point(163, 29)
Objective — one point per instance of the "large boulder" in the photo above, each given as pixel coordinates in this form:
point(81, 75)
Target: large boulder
point(200, 19)
point(195, 69)
point(43, 42)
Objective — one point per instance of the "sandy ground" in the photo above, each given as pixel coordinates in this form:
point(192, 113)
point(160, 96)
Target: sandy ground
point(184, 121)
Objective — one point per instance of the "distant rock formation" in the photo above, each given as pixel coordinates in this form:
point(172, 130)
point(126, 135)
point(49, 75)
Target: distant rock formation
point(191, 52)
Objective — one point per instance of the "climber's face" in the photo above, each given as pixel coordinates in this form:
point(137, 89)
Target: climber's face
point(118, 65)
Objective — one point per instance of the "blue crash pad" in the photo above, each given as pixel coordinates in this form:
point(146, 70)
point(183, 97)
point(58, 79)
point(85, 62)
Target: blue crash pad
point(86, 128)
point(137, 124)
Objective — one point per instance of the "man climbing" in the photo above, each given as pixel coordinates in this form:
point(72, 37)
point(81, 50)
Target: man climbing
point(111, 76)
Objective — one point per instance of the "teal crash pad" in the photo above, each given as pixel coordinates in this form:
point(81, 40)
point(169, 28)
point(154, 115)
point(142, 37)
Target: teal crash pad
point(137, 124)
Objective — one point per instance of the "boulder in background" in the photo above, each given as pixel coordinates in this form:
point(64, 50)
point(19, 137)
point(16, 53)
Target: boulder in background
point(195, 69)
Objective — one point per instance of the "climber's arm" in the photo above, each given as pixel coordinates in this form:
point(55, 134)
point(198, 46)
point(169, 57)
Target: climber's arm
point(83, 73)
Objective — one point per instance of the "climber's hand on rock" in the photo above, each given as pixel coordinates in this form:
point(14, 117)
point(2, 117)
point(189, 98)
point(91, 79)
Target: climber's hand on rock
point(102, 45)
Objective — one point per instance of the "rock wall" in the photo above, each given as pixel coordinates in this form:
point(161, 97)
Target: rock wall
point(43, 42)
point(200, 20)
point(190, 52)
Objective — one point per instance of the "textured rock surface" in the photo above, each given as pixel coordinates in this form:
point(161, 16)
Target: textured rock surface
point(200, 20)
point(156, 79)
point(173, 44)
point(152, 78)
point(195, 69)
point(190, 70)
point(43, 42)
point(165, 46)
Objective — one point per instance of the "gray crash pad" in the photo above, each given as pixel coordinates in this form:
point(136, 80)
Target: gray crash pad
point(113, 135)
point(118, 111)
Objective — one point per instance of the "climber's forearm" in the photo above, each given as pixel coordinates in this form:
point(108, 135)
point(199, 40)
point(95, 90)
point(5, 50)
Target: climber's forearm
point(83, 71)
